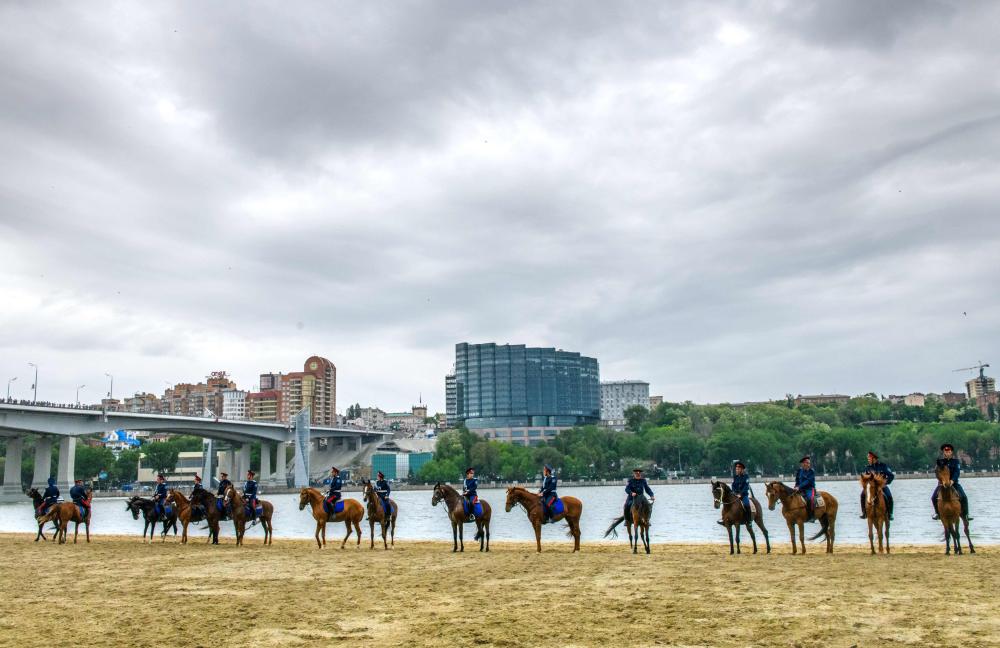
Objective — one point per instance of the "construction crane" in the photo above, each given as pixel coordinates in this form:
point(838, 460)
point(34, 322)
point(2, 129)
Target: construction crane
point(982, 376)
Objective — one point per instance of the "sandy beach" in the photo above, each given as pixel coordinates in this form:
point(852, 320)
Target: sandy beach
point(119, 592)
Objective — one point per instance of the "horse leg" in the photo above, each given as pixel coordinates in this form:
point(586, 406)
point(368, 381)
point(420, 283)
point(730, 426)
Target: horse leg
point(947, 538)
point(392, 532)
point(763, 529)
point(887, 525)
point(968, 540)
point(645, 537)
point(638, 533)
point(461, 535)
point(385, 531)
point(753, 537)
point(732, 547)
point(871, 535)
point(958, 539)
point(575, 528)
point(487, 537)
point(802, 536)
point(454, 536)
point(538, 534)
point(791, 531)
point(628, 527)
point(738, 538)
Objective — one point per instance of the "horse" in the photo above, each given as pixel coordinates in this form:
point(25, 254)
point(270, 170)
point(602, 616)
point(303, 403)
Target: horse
point(793, 508)
point(376, 513)
point(37, 499)
point(950, 512)
point(638, 515)
point(147, 507)
point(456, 513)
point(532, 505)
point(875, 509)
point(239, 514)
point(351, 515)
point(207, 501)
point(734, 515)
point(184, 512)
point(66, 512)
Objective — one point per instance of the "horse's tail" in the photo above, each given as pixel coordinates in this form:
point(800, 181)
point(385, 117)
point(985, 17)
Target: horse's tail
point(612, 529)
point(824, 528)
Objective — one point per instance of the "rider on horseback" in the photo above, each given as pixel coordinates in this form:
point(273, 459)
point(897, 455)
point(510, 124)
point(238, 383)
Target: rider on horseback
point(79, 495)
point(224, 484)
point(949, 459)
point(741, 489)
point(805, 485)
point(469, 488)
point(49, 497)
point(876, 467)
point(197, 510)
point(160, 496)
point(548, 493)
point(336, 485)
point(382, 490)
point(636, 485)
point(250, 495)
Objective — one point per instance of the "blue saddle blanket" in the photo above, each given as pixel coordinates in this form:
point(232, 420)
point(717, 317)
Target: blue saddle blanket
point(164, 510)
point(224, 511)
point(249, 513)
point(336, 508)
point(83, 511)
point(477, 509)
point(557, 508)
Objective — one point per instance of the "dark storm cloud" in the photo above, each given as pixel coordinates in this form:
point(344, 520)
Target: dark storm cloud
point(731, 201)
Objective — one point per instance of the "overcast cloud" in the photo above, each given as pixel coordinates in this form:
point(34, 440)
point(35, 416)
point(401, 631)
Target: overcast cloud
point(732, 201)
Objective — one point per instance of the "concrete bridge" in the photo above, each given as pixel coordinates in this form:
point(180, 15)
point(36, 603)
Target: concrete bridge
point(64, 425)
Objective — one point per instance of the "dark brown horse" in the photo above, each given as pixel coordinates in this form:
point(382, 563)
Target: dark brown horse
point(638, 516)
point(793, 508)
point(735, 515)
point(66, 512)
point(532, 505)
point(207, 501)
point(456, 513)
point(238, 505)
point(351, 515)
point(147, 509)
point(950, 512)
point(36, 500)
point(376, 513)
point(875, 509)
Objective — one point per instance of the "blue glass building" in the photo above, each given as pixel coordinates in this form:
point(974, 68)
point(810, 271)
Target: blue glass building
point(522, 394)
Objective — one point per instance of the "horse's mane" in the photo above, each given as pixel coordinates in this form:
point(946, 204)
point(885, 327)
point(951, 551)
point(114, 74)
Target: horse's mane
point(447, 488)
point(724, 485)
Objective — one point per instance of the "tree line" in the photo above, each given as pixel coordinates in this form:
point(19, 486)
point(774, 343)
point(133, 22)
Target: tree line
point(703, 440)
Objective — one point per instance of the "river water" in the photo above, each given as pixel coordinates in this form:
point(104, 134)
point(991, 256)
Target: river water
point(682, 513)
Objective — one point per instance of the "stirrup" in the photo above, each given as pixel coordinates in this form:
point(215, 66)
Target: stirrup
point(936, 517)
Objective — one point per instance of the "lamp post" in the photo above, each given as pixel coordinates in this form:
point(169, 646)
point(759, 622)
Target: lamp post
point(111, 387)
point(34, 387)
point(9, 381)
point(78, 393)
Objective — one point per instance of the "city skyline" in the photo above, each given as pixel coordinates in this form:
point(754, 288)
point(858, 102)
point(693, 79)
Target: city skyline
point(729, 202)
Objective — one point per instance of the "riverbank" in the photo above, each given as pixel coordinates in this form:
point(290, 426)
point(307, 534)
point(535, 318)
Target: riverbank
point(117, 591)
point(354, 488)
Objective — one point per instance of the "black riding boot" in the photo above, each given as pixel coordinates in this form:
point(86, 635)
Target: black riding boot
point(864, 513)
point(936, 515)
point(965, 508)
point(890, 504)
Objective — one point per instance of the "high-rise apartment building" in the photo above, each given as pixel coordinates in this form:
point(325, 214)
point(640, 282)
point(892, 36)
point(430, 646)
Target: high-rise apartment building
point(234, 402)
point(314, 387)
point(619, 395)
point(200, 399)
point(524, 394)
point(980, 387)
point(451, 400)
point(263, 406)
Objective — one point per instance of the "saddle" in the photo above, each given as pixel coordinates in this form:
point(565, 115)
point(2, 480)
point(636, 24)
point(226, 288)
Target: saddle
point(476, 509)
point(224, 511)
point(83, 511)
point(336, 508)
point(249, 512)
point(554, 509)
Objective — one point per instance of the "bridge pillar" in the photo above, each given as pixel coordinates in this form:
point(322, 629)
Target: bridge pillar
point(229, 461)
point(67, 463)
point(207, 462)
point(43, 462)
point(266, 476)
point(303, 445)
point(11, 490)
point(244, 460)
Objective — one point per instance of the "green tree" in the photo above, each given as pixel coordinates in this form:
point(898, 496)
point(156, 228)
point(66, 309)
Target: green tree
point(90, 461)
point(161, 457)
point(126, 467)
point(635, 416)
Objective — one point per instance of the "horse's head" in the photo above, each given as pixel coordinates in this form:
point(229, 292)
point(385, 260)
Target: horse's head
point(34, 494)
point(511, 498)
point(303, 498)
point(943, 475)
point(718, 491)
point(368, 491)
point(438, 494)
point(229, 496)
point(132, 506)
point(773, 490)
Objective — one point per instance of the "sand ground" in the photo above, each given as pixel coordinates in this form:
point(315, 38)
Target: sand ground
point(118, 592)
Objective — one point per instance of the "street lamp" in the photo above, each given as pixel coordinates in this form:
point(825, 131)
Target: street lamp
point(34, 399)
point(78, 393)
point(9, 381)
point(111, 388)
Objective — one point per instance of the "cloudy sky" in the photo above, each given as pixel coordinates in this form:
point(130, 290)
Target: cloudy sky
point(732, 201)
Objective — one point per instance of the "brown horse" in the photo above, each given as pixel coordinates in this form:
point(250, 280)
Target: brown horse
point(638, 516)
point(793, 508)
point(875, 509)
point(66, 512)
point(183, 507)
point(456, 513)
point(735, 515)
point(376, 513)
point(950, 512)
point(207, 501)
point(236, 501)
point(532, 504)
point(352, 514)
point(37, 499)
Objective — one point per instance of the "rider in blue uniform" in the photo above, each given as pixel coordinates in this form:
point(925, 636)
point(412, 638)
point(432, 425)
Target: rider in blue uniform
point(949, 459)
point(79, 495)
point(160, 495)
point(50, 496)
point(741, 488)
point(548, 493)
point(250, 494)
point(877, 467)
point(382, 489)
point(805, 485)
point(469, 487)
point(636, 485)
point(336, 485)
point(197, 510)
point(224, 484)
